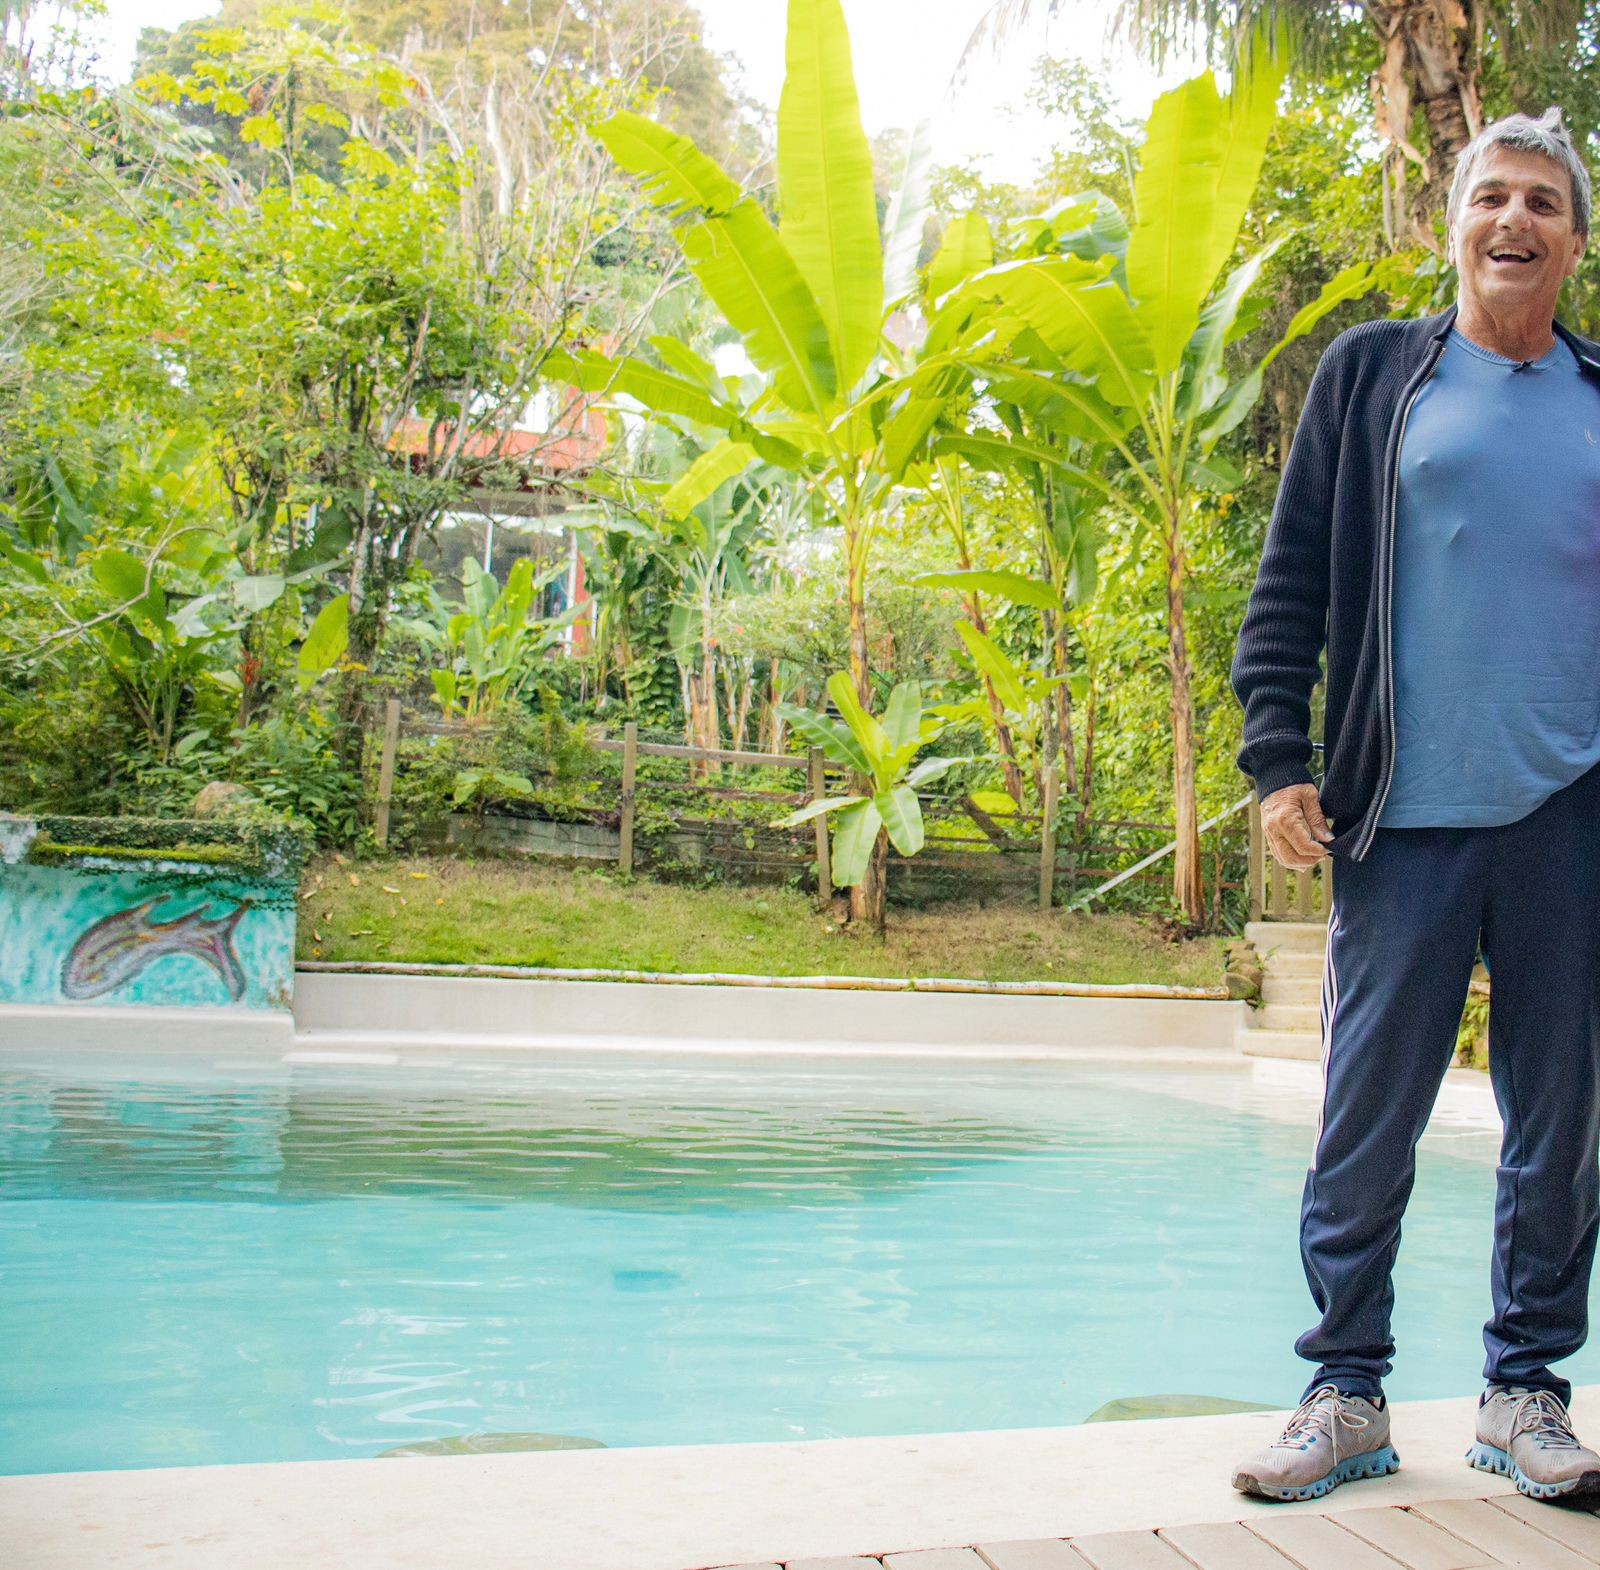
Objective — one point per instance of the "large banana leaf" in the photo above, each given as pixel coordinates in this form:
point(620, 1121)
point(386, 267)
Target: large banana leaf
point(754, 281)
point(834, 740)
point(966, 249)
point(930, 769)
point(1175, 196)
point(1077, 541)
point(1351, 284)
point(1001, 454)
point(855, 832)
point(1252, 110)
point(908, 212)
point(1202, 383)
point(711, 470)
point(1070, 408)
point(906, 431)
point(992, 661)
point(511, 609)
point(1201, 160)
point(902, 817)
point(1101, 231)
point(659, 391)
point(679, 357)
point(684, 625)
point(1240, 398)
point(825, 189)
point(1084, 318)
point(902, 716)
point(1013, 586)
point(675, 174)
point(815, 809)
point(867, 731)
point(325, 644)
point(737, 256)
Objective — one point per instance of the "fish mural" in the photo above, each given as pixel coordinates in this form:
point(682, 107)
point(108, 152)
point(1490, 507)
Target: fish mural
point(114, 951)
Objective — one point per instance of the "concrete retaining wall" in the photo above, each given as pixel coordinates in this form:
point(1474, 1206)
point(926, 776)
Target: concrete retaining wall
point(379, 1013)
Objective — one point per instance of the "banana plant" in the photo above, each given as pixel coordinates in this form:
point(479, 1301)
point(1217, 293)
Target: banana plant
point(490, 648)
point(944, 484)
point(1120, 347)
point(836, 403)
point(882, 754)
point(1063, 475)
point(713, 544)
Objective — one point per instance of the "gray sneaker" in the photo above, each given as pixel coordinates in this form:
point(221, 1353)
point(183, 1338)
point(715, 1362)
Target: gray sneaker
point(1331, 1439)
point(1527, 1436)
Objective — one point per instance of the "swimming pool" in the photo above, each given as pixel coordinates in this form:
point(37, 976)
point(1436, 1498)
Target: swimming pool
point(315, 1261)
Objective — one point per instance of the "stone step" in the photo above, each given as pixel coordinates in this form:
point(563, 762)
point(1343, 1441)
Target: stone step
point(1285, 935)
point(1293, 964)
point(1293, 990)
point(1287, 1016)
point(1281, 1044)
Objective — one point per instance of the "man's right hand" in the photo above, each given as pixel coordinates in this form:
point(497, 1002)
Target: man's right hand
point(1295, 827)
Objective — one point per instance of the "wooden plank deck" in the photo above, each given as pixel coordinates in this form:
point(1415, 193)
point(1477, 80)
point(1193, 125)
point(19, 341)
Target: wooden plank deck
point(1503, 1533)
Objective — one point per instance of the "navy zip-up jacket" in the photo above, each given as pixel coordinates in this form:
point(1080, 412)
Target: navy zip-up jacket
point(1326, 581)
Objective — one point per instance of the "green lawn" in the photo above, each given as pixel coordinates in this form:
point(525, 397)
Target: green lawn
point(512, 913)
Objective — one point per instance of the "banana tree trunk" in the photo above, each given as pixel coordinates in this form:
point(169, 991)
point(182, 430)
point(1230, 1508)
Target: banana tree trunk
point(1002, 727)
point(869, 898)
point(1086, 793)
point(1063, 697)
point(1187, 881)
point(1003, 738)
point(856, 579)
point(700, 714)
point(1055, 632)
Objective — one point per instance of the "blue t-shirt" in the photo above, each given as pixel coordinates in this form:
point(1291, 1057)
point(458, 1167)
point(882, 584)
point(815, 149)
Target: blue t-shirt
point(1496, 590)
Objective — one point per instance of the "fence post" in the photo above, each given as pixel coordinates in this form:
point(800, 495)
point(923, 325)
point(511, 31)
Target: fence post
point(1047, 841)
point(391, 739)
point(1258, 865)
point(630, 767)
point(816, 779)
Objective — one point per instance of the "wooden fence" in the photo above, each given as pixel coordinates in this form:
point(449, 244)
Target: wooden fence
point(970, 851)
point(1277, 894)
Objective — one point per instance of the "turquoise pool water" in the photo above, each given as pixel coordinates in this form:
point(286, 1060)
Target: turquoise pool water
point(327, 1261)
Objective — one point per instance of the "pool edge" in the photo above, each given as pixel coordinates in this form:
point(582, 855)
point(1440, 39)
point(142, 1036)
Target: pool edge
point(688, 1507)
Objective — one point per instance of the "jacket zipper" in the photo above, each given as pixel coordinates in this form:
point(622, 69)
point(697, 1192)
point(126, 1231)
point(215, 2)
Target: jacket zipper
point(1403, 414)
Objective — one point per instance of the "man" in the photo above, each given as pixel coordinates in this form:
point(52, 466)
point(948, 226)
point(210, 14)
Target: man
point(1437, 531)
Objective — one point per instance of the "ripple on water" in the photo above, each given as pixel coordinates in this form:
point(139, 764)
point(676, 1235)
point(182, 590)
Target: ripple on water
point(334, 1261)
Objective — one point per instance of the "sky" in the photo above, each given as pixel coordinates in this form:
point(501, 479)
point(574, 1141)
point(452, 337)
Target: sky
point(905, 53)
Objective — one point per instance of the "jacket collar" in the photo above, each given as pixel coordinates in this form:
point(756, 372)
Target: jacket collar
point(1587, 354)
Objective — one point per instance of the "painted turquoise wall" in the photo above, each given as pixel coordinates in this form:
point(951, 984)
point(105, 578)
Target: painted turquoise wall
point(46, 911)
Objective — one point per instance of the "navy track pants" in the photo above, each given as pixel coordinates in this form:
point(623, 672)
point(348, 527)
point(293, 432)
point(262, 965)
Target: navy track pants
point(1403, 936)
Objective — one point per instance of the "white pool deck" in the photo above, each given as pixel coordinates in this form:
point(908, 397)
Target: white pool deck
point(985, 1501)
point(1109, 1486)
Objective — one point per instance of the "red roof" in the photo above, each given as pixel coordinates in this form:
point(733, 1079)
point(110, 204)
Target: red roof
point(575, 442)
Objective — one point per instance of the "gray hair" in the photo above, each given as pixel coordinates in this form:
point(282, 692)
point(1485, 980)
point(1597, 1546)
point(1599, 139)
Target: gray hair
point(1548, 136)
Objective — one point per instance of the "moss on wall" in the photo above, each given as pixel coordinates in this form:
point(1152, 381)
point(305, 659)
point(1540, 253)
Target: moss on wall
point(258, 844)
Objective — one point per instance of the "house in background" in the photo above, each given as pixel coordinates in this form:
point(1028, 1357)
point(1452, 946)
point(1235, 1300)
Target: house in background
point(524, 506)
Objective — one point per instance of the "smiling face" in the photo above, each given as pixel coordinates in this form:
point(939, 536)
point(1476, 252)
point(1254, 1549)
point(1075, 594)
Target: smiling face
point(1512, 240)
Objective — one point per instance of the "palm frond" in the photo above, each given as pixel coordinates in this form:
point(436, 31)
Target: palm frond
point(1534, 29)
point(1224, 31)
point(996, 27)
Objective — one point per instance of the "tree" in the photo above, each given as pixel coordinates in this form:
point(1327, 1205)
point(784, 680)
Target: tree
point(1125, 352)
point(1427, 56)
point(366, 344)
